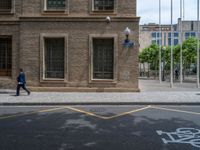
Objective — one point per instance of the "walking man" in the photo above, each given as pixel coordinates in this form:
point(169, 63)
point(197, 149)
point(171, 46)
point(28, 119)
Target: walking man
point(21, 82)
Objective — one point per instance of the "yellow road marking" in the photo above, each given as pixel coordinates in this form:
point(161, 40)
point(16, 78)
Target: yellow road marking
point(176, 110)
point(99, 116)
point(86, 112)
point(104, 117)
point(30, 113)
point(53, 109)
point(76, 110)
point(129, 112)
point(17, 115)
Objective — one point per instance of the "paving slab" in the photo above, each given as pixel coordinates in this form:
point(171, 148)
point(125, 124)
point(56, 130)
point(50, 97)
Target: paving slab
point(152, 92)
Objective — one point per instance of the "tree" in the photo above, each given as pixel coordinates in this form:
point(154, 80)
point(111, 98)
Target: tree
point(150, 55)
point(189, 53)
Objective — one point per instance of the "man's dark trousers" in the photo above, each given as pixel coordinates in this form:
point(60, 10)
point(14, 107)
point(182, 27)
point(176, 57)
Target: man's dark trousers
point(24, 87)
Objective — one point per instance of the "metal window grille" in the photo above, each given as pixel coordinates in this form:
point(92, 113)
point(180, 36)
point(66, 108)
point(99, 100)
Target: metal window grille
point(54, 58)
point(103, 5)
point(5, 5)
point(5, 56)
point(103, 58)
point(56, 4)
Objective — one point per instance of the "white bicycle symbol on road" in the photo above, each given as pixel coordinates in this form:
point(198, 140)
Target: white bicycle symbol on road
point(183, 136)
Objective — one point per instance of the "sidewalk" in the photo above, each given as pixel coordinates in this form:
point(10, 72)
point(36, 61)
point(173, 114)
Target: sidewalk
point(152, 92)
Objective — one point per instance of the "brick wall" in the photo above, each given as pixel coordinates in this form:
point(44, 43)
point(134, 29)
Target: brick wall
point(78, 50)
point(30, 22)
point(77, 8)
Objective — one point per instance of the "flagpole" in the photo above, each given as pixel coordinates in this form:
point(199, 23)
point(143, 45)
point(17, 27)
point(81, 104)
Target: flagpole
point(197, 43)
point(183, 9)
point(181, 39)
point(171, 67)
point(160, 42)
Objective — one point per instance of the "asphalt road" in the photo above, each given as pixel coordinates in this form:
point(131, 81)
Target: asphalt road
point(100, 128)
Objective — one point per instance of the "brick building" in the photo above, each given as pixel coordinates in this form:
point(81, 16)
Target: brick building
point(69, 44)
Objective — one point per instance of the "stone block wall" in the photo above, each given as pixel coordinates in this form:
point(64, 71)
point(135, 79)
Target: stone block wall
point(30, 24)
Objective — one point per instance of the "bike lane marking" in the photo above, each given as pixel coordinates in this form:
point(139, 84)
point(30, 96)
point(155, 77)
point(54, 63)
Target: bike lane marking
point(175, 110)
point(181, 136)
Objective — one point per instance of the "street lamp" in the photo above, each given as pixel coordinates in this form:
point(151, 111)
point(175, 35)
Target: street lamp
point(127, 43)
point(163, 66)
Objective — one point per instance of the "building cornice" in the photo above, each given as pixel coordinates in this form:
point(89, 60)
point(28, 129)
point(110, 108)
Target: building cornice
point(77, 19)
point(9, 22)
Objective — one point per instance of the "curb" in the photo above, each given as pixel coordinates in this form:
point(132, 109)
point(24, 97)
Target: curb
point(99, 103)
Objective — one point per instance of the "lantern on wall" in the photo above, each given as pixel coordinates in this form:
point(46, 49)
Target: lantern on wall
point(127, 42)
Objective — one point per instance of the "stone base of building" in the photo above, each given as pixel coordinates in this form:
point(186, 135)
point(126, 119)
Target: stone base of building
point(8, 83)
point(81, 89)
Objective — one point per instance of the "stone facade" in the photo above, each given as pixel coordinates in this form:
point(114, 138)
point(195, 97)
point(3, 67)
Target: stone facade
point(146, 31)
point(189, 28)
point(29, 24)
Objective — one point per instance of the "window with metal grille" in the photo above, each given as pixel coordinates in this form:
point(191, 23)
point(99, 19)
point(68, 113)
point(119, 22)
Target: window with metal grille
point(103, 5)
point(5, 56)
point(103, 58)
point(56, 4)
point(54, 58)
point(5, 5)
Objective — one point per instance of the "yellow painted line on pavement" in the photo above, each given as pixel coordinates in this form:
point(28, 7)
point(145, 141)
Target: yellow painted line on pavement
point(86, 112)
point(111, 117)
point(129, 112)
point(52, 109)
point(76, 110)
point(176, 110)
point(31, 113)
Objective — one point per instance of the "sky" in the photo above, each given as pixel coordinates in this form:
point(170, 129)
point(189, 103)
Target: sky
point(148, 10)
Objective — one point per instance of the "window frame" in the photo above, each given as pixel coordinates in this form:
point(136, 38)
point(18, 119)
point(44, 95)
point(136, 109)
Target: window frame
point(153, 35)
point(62, 11)
point(175, 36)
point(102, 67)
point(115, 55)
point(44, 36)
point(189, 34)
point(156, 37)
point(8, 37)
point(93, 11)
point(50, 60)
point(9, 11)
